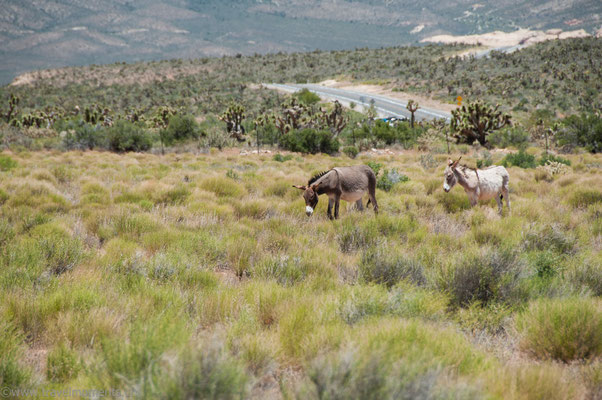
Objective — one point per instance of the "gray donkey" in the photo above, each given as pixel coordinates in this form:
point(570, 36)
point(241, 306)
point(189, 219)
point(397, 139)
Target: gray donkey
point(347, 183)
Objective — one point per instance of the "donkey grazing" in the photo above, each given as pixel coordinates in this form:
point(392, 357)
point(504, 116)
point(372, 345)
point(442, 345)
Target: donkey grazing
point(347, 183)
point(479, 184)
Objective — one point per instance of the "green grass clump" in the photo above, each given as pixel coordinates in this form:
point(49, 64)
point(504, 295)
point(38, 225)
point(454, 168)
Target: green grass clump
point(382, 267)
point(62, 364)
point(207, 373)
point(223, 187)
point(12, 374)
point(282, 158)
point(582, 198)
point(520, 159)
point(562, 329)
point(7, 163)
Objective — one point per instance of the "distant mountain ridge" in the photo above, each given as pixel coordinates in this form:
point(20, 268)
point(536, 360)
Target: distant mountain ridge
point(51, 33)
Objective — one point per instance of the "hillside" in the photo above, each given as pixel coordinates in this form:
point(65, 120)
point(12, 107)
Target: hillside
point(563, 76)
point(71, 32)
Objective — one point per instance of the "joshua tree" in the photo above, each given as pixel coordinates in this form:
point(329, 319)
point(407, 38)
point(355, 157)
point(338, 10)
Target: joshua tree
point(161, 120)
point(294, 116)
point(412, 107)
point(233, 117)
point(260, 121)
point(474, 121)
point(13, 102)
point(335, 120)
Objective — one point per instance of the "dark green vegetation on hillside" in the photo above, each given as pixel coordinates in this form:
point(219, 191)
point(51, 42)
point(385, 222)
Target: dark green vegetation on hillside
point(564, 76)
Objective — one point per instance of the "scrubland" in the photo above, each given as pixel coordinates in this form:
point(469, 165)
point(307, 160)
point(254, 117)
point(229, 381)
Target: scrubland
point(199, 276)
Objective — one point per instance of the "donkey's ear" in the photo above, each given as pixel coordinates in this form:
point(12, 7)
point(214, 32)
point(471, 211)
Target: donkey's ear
point(315, 186)
point(455, 164)
point(299, 187)
point(450, 162)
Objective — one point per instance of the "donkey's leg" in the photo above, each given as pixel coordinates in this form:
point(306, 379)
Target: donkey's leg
point(337, 201)
point(330, 204)
point(498, 199)
point(372, 193)
point(507, 197)
point(359, 205)
point(506, 191)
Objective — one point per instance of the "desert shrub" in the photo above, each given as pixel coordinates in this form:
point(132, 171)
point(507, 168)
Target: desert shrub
point(581, 130)
point(223, 187)
point(60, 251)
point(562, 329)
point(127, 136)
point(83, 136)
point(582, 198)
point(310, 141)
point(551, 157)
point(492, 275)
point(390, 178)
point(509, 136)
point(427, 161)
point(379, 266)
point(207, 373)
point(7, 163)
point(375, 166)
point(180, 128)
point(351, 151)
point(280, 158)
point(520, 159)
point(589, 275)
point(307, 97)
point(549, 237)
point(62, 364)
point(453, 201)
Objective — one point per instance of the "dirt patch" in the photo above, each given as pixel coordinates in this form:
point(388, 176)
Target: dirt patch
point(525, 37)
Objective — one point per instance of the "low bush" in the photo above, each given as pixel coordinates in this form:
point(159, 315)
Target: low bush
point(83, 136)
point(207, 373)
point(582, 198)
point(280, 158)
point(520, 159)
point(180, 128)
point(583, 130)
point(390, 178)
point(551, 157)
point(378, 266)
point(487, 277)
point(509, 136)
point(351, 151)
point(126, 136)
point(310, 141)
point(562, 329)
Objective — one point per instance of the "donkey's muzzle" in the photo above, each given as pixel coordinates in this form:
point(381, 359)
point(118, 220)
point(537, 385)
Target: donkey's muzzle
point(309, 211)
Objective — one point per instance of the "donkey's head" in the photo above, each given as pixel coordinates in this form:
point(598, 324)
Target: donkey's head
point(449, 176)
point(310, 195)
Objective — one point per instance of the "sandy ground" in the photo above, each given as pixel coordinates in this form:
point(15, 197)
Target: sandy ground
point(387, 90)
point(497, 39)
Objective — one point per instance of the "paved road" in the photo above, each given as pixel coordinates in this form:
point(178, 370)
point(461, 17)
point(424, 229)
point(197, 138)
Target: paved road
point(385, 106)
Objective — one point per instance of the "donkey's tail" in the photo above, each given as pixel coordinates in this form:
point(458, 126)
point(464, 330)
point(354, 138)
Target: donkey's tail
point(368, 203)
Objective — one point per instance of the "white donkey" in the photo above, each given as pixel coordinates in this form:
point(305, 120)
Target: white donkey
point(479, 184)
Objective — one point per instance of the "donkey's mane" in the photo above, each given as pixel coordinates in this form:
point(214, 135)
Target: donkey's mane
point(317, 176)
